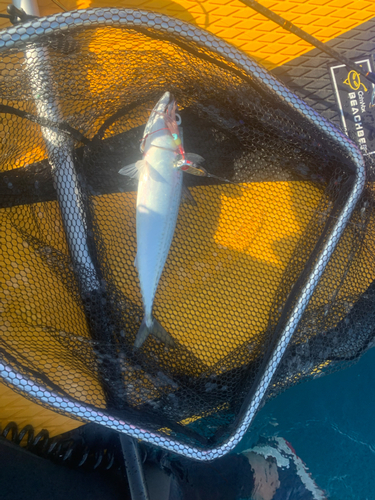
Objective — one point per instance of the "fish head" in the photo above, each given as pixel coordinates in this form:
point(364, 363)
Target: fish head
point(173, 120)
point(162, 126)
point(156, 121)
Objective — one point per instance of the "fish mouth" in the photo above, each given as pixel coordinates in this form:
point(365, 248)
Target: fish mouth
point(171, 114)
point(163, 103)
point(171, 99)
point(167, 104)
point(171, 106)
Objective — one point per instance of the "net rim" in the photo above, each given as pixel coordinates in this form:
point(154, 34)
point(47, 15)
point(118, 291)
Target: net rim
point(17, 37)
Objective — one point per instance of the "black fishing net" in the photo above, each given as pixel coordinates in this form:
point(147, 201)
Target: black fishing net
point(76, 91)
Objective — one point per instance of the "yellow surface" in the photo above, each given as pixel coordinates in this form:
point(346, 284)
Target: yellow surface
point(13, 407)
point(30, 300)
point(272, 46)
point(36, 301)
point(246, 29)
point(255, 233)
point(243, 27)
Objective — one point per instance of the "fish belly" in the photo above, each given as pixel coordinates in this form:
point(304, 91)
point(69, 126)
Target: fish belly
point(158, 202)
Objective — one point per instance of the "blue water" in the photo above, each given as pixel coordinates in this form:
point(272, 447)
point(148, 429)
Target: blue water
point(330, 422)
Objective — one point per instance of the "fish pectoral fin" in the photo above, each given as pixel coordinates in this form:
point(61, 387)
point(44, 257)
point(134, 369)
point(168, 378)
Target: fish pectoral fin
point(187, 197)
point(156, 330)
point(196, 159)
point(133, 170)
point(155, 175)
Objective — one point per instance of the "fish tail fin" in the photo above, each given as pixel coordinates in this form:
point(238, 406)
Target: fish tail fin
point(160, 333)
point(156, 330)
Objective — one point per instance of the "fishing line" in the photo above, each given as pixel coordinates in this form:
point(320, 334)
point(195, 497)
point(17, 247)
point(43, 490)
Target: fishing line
point(269, 14)
point(222, 179)
point(56, 2)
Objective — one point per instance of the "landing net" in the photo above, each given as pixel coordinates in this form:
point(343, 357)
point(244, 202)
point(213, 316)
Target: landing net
point(76, 91)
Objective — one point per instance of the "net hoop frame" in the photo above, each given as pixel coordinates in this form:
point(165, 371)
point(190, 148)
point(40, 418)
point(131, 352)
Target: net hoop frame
point(16, 38)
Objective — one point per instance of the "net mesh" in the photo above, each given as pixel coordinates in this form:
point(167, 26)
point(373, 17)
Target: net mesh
point(69, 316)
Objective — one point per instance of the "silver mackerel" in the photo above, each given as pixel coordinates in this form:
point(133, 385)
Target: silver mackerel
point(158, 201)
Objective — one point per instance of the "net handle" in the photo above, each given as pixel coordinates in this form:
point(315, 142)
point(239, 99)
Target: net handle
point(60, 151)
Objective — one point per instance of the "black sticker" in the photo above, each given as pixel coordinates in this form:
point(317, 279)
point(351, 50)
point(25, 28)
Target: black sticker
point(353, 95)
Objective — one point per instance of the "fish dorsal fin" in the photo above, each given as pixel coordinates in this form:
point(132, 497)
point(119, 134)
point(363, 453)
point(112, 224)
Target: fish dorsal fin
point(133, 170)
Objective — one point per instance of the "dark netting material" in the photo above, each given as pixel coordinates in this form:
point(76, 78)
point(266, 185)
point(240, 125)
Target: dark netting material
point(76, 91)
